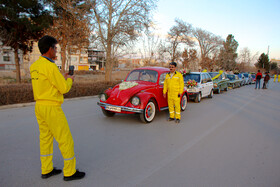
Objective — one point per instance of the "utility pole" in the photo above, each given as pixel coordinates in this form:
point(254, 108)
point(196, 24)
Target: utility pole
point(268, 57)
point(267, 51)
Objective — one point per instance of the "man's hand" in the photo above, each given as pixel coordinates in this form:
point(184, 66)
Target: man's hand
point(69, 76)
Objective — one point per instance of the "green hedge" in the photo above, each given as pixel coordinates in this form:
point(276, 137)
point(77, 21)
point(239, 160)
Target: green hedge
point(22, 93)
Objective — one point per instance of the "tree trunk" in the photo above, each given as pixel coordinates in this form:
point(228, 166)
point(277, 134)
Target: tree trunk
point(63, 59)
point(109, 64)
point(108, 67)
point(18, 78)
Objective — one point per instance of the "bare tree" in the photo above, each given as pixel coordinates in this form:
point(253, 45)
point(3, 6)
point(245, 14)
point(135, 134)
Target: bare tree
point(150, 43)
point(189, 57)
point(178, 34)
point(71, 26)
point(245, 58)
point(208, 43)
point(118, 22)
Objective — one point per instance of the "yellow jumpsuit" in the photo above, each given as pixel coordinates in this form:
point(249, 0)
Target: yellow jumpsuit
point(278, 78)
point(173, 86)
point(275, 76)
point(49, 85)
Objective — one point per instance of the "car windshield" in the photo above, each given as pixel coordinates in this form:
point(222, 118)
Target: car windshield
point(143, 75)
point(246, 75)
point(231, 77)
point(213, 74)
point(192, 76)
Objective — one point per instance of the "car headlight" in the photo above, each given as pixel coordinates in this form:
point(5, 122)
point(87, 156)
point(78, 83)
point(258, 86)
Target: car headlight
point(103, 97)
point(135, 101)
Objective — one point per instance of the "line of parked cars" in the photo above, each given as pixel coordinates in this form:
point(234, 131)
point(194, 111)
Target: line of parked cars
point(142, 91)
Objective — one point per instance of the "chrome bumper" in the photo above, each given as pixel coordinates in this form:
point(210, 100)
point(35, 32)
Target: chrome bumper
point(123, 108)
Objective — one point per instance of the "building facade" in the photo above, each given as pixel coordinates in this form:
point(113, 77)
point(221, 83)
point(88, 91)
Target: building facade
point(7, 58)
point(96, 59)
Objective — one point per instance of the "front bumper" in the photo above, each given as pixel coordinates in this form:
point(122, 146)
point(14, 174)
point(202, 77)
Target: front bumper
point(122, 108)
point(192, 95)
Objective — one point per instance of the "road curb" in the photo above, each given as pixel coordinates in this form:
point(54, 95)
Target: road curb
point(20, 105)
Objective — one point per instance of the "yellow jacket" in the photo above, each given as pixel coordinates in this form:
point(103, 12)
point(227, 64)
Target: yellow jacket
point(48, 83)
point(174, 85)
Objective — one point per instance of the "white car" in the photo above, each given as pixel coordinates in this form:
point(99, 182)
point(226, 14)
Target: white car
point(203, 88)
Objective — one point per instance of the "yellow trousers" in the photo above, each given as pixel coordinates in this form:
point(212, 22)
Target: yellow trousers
point(174, 107)
point(53, 124)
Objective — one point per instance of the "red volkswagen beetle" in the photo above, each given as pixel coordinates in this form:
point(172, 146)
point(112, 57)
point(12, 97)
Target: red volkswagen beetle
point(141, 92)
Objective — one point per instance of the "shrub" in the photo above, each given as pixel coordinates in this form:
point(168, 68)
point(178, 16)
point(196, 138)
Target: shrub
point(22, 93)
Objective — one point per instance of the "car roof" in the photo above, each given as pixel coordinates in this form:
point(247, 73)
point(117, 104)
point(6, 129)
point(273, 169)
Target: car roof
point(197, 72)
point(158, 69)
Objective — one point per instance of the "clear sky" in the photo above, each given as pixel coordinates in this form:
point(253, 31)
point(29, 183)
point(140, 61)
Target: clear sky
point(253, 23)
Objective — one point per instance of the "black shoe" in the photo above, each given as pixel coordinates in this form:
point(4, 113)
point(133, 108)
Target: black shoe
point(170, 119)
point(177, 121)
point(53, 172)
point(76, 176)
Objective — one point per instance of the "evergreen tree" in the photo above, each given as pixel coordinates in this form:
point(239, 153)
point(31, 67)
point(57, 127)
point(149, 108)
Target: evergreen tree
point(263, 62)
point(228, 53)
point(21, 23)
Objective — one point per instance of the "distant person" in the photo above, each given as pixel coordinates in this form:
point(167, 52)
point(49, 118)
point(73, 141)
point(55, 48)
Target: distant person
point(278, 77)
point(265, 80)
point(49, 85)
point(275, 77)
point(174, 86)
point(258, 79)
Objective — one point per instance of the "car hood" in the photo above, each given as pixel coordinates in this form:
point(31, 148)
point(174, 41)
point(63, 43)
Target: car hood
point(121, 97)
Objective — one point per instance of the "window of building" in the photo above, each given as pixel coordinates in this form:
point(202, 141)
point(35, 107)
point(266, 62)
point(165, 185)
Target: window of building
point(74, 59)
point(6, 58)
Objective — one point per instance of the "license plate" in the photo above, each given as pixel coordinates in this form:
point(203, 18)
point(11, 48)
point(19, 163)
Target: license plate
point(113, 108)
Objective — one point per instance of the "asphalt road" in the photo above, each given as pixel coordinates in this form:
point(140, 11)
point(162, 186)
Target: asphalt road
point(231, 140)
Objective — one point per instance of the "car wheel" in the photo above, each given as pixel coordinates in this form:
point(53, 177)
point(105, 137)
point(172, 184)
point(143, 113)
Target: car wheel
point(184, 102)
point(108, 113)
point(219, 90)
point(211, 94)
point(198, 98)
point(226, 89)
point(149, 112)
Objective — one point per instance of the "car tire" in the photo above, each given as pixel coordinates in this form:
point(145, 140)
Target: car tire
point(198, 98)
point(184, 102)
point(108, 113)
point(149, 112)
point(226, 89)
point(211, 94)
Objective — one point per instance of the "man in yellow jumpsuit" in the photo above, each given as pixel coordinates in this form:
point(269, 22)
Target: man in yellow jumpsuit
point(49, 85)
point(174, 87)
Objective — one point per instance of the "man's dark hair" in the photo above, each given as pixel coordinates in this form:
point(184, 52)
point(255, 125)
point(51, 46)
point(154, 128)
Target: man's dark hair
point(45, 43)
point(259, 70)
point(173, 63)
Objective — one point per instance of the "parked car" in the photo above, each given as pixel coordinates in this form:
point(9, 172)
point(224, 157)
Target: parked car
point(234, 81)
point(241, 78)
point(220, 82)
point(140, 93)
point(203, 85)
point(248, 78)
